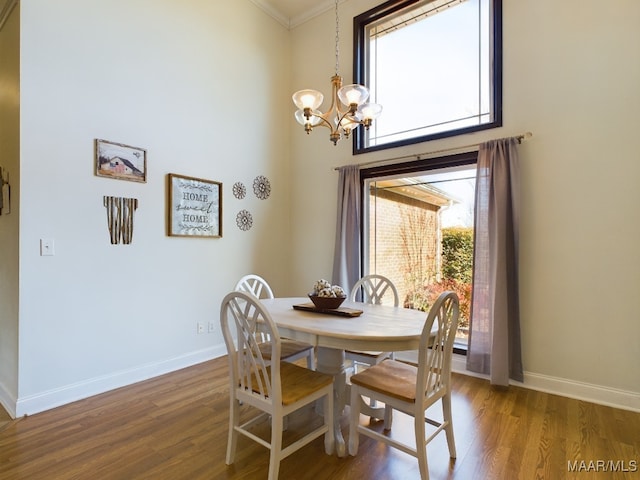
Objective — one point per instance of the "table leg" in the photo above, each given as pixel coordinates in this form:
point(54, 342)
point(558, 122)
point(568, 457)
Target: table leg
point(331, 361)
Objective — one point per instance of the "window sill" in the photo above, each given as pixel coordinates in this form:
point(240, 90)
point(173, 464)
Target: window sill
point(460, 348)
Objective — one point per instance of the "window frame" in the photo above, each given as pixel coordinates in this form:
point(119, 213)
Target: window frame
point(360, 23)
point(406, 168)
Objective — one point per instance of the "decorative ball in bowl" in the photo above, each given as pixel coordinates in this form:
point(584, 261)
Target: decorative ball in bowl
point(326, 303)
point(326, 296)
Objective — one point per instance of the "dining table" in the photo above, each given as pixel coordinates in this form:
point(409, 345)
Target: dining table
point(353, 326)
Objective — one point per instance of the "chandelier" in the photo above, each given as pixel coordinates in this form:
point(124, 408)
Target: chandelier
point(348, 105)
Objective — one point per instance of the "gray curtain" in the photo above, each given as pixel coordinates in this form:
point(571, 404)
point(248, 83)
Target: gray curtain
point(346, 259)
point(494, 338)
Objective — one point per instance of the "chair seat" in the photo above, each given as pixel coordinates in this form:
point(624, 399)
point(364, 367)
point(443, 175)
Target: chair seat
point(297, 382)
point(288, 348)
point(392, 378)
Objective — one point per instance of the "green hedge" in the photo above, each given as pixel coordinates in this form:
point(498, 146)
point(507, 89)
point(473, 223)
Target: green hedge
point(457, 274)
point(457, 254)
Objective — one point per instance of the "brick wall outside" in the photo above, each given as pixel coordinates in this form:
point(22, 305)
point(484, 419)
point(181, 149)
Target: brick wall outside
point(406, 245)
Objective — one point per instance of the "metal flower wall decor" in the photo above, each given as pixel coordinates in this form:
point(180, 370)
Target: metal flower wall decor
point(244, 220)
point(261, 187)
point(239, 190)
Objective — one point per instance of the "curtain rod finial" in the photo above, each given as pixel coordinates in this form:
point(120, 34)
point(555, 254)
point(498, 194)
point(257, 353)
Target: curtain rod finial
point(524, 136)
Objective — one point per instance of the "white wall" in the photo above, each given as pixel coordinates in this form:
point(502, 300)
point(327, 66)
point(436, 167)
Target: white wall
point(9, 235)
point(571, 77)
point(203, 86)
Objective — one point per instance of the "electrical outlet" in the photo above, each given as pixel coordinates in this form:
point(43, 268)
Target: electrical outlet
point(200, 326)
point(212, 327)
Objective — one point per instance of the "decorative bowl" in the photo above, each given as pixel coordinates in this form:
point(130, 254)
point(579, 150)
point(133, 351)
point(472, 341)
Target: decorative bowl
point(326, 303)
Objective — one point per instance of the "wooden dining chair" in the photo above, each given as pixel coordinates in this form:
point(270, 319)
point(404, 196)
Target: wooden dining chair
point(292, 350)
point(412, 389)
point(274, 388)
point(372, 289)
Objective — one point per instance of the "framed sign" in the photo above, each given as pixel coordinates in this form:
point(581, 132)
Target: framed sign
point(119, 161)
point(195, 207)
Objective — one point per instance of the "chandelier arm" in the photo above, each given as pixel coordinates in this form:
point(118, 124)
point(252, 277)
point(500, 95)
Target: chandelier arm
point(325, 122)
point(349, 117)
point(336, 83)
point(334, 112)
point(352, 118)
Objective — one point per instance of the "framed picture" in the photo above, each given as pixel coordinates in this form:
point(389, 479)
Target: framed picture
point(195, 207)
point(119, 161)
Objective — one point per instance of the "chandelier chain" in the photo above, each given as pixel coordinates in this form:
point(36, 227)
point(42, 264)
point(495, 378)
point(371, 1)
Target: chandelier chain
point(337, 39)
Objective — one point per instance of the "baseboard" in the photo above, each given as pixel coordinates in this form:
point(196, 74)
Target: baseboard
point(611, 397)
point(7, 400)
point(33, 404)
point(608, 396)
point(70, 393)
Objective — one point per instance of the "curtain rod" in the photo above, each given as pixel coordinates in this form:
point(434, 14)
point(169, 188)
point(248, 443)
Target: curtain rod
point(418, 156)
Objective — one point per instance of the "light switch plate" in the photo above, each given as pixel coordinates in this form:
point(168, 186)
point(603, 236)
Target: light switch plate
point(47, 247)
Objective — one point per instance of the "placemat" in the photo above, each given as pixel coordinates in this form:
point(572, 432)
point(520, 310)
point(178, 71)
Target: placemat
point(341, 311)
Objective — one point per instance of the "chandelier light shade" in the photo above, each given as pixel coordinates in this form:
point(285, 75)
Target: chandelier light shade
point(353, 94)
point(311, 99)
point(348, 108)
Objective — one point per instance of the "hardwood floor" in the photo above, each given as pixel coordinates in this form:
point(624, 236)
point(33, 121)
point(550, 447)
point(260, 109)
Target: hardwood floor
point(175, 427)
point(5, 419)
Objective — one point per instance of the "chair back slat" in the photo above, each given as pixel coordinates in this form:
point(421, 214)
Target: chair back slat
point(243, 321)
point(436, 346)
point(256, 285)
point(373, 289)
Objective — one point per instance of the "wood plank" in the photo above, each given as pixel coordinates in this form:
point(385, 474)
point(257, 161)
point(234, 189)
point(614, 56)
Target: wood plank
point(175, 427)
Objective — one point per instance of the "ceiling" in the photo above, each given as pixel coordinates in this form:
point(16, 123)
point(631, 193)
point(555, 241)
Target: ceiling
point(292, 13)
point(289, 13)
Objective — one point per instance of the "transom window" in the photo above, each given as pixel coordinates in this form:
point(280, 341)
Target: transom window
point(434, 65)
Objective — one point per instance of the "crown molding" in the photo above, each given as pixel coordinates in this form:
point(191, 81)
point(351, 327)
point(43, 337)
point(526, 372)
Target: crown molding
point(266, 7)
point(292, 22)
point(5, 11)
point(318, 9)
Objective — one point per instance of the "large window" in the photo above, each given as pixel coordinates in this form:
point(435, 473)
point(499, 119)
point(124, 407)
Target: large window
point(434, 65)
point(418, 231)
